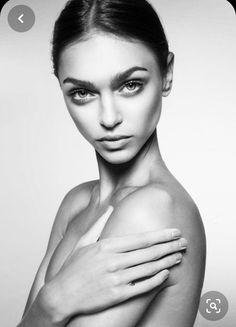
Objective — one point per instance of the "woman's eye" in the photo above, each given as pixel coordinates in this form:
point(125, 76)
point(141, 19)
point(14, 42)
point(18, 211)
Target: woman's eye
point(80, 95)
point(132, 87)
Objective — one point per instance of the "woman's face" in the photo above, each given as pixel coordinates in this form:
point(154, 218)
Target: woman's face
point(112, 87)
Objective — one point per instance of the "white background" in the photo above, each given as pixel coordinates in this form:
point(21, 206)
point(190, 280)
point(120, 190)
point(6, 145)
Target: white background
point(43, 155)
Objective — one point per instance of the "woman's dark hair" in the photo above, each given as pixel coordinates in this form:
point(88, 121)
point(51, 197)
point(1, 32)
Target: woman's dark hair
point(134, 20)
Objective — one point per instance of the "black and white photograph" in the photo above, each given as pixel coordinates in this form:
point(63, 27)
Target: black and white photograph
point(118, 156)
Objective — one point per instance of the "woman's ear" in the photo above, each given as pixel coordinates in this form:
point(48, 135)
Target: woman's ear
point(168, 78)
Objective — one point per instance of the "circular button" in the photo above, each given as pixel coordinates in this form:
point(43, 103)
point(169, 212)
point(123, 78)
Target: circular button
point(213, 305)
point(21, 18)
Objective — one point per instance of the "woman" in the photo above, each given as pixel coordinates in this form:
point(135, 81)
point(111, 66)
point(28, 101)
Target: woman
point(112, 61)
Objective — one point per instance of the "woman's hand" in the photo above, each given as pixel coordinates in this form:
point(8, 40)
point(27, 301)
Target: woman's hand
point(100, 275)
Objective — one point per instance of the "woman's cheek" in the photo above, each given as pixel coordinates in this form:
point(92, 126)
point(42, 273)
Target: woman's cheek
point(82, 120)
point(146, 110)
point(153, 106)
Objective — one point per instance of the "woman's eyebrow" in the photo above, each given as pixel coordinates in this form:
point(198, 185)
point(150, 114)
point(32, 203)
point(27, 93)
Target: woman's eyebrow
point(115, 82)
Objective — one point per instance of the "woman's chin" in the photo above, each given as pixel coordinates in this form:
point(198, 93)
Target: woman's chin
point(117, 157)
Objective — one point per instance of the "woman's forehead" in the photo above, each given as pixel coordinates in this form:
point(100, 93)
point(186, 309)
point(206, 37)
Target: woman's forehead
point(104, 54)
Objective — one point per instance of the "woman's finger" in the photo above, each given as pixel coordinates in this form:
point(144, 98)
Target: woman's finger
point(152, 253)
point(140, 240)
point(144, 286)
point(149, 269)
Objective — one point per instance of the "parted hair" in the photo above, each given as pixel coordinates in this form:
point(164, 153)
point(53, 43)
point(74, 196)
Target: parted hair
point(134, 20)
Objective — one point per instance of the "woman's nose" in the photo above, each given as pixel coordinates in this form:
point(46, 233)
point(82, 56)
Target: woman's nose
point(110, 115)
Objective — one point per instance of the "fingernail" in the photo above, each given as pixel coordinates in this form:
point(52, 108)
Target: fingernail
point(183, 243)
point(178, 257)
point(176, 233)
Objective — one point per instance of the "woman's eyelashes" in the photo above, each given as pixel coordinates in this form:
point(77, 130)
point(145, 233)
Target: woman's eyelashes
point(79, 96)
point(129, 88)
point(132, 87)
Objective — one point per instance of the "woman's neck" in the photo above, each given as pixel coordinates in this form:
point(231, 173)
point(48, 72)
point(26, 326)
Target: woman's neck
point(144, 168)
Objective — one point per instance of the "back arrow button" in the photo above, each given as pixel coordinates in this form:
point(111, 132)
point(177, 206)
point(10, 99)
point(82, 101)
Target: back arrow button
point(20, 18)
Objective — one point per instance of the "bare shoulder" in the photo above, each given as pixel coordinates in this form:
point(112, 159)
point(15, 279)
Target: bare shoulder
point(81, 192)
point(71, 205)
point(157, 207)
point(154, 206)
point(162, 206)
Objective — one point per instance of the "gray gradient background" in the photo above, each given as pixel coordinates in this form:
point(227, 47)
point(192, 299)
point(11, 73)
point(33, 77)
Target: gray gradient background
point(43, 155)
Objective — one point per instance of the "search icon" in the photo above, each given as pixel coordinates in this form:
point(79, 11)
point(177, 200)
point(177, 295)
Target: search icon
point(213, 305)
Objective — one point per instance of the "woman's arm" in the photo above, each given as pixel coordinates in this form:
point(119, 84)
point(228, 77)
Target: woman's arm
point(149, 209)
point(73, 202)
point(92, 289)
point(53, 304)
point(40, 313)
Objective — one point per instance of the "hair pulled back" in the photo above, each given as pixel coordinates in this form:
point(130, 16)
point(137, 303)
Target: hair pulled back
point(133, 20)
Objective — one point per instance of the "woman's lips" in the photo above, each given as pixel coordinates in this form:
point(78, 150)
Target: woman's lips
point(113, 137)
point(116, 143)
